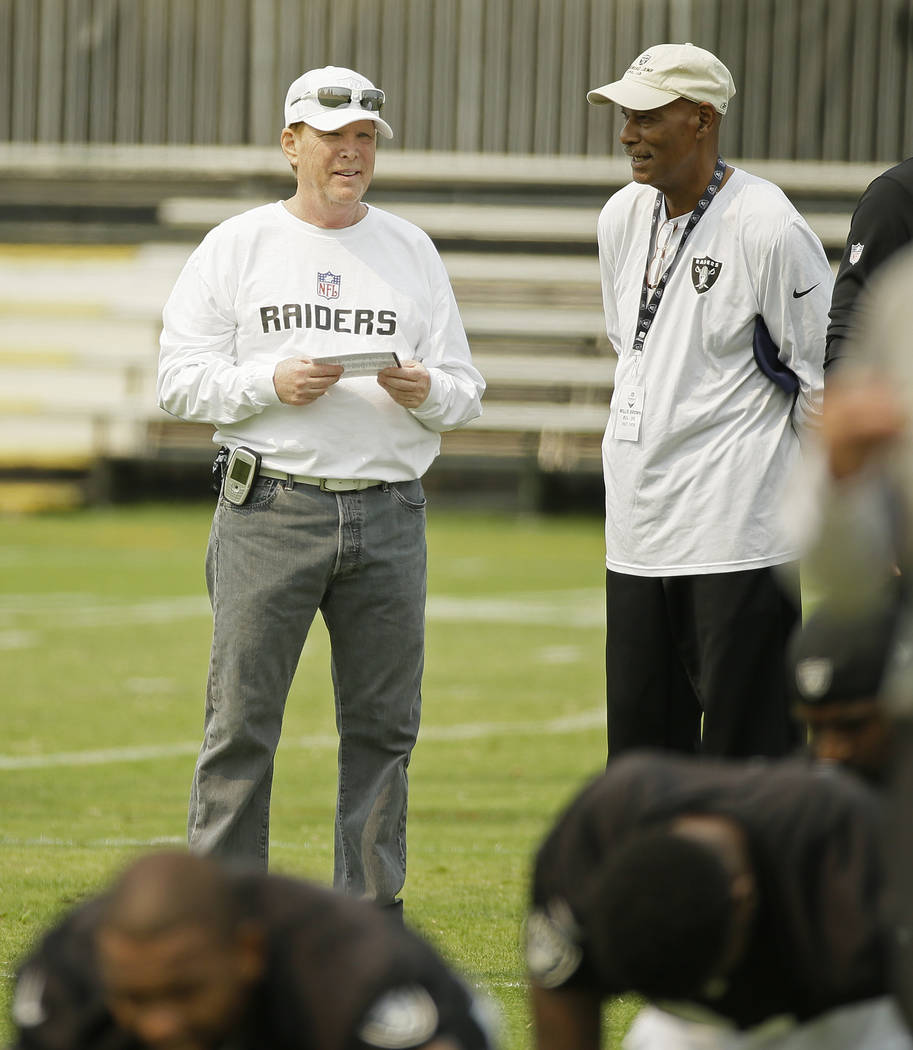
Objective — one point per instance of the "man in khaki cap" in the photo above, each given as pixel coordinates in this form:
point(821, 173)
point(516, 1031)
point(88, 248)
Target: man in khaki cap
point(716, 295)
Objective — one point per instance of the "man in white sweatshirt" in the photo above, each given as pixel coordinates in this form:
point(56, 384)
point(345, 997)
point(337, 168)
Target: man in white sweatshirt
point(716, 295)
point(321, 338)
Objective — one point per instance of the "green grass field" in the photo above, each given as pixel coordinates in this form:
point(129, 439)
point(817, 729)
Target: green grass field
point(104, 635)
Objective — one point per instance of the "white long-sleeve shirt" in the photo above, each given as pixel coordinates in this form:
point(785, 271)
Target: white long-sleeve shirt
point(265, 286)
point(699, 490)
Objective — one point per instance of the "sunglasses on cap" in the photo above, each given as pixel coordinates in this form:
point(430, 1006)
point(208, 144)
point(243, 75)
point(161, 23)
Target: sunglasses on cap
point(333, 97)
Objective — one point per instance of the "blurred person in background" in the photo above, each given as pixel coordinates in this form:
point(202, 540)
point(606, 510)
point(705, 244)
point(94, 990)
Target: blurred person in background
point(182, 954)
point(837, 667)
point(716, 294)
point(853, 507)
point(742, 899)
point(882, 223)
point(321, 503)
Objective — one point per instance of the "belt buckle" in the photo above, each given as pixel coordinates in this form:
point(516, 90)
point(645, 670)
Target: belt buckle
point(337, 485)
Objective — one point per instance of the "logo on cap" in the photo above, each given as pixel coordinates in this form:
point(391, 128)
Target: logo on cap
point(640, 66)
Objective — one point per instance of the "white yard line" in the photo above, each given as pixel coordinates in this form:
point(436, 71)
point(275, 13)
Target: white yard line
point(161, 841)
point(25, 618)
point(470, 731)
point(105, 843)
point(100, 757)
point(65, 611)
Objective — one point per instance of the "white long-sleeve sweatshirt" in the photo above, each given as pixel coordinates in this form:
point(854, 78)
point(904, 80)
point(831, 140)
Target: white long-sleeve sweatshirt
point(265, 286)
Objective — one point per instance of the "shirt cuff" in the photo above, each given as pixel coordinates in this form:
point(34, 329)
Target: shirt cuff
point(430, 408)
point(263, 390)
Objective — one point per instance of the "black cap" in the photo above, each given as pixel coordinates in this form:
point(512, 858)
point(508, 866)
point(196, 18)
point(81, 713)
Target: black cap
point(839, 657)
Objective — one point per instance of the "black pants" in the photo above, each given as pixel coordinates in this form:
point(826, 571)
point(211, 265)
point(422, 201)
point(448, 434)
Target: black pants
point(683, 648)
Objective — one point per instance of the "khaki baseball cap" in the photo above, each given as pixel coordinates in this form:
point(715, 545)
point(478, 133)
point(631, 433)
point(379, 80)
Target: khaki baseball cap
point(666, 72)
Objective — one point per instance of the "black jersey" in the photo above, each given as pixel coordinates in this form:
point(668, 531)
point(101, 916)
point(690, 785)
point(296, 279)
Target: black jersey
point(340, 975)
point(881, 224)
point(813, 838)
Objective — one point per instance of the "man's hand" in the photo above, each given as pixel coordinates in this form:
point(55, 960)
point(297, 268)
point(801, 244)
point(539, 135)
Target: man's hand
point(298, 381)
point(862, 417)
point(408, 385)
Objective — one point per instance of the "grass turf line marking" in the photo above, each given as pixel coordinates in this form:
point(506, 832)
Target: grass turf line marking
point(471, 731)
point(107, 843)
point(573, 608)
point(99, 757)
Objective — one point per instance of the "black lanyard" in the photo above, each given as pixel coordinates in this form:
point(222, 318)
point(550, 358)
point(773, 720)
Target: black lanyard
point(648, 311)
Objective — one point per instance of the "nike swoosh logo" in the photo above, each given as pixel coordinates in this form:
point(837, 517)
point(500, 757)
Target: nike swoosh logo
point(798, 295)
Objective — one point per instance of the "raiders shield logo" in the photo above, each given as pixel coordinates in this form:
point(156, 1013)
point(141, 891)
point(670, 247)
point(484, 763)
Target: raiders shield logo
point(814, 676)
point(704, 273)
point(553, 951)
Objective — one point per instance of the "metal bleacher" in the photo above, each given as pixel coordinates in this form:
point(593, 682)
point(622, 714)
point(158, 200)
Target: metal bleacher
point(81, 302)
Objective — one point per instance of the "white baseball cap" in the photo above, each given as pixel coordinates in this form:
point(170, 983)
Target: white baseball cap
point(666, 72)
point(329, 98)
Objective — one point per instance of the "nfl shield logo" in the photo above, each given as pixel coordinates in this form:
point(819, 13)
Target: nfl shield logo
point(855, 253)
point(704, 272)
point(328, 285)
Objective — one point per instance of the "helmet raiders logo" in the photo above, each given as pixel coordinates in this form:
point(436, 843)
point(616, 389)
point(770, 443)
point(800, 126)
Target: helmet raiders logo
point(553, 951)
point(814, 676)
point(704, 272)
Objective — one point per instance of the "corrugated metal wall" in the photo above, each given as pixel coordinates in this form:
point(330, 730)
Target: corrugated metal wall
point(817, 79)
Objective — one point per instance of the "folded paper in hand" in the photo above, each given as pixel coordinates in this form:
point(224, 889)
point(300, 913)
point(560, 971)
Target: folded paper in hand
point(360, 364)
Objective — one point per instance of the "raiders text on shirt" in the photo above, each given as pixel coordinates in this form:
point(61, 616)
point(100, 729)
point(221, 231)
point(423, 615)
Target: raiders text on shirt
point(306, 315)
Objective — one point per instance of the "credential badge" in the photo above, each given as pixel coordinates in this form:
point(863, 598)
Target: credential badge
point(855, 253)
point(328, 285)
point(704, 272)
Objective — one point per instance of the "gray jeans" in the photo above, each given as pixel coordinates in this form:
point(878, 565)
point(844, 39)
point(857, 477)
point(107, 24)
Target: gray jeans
point(360, 559)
